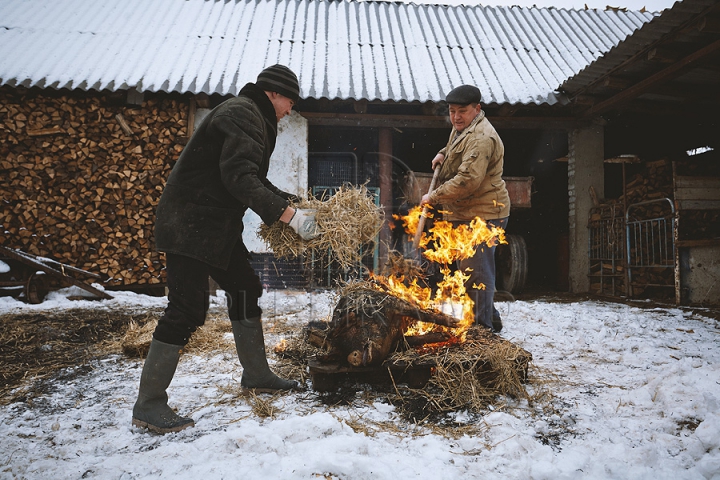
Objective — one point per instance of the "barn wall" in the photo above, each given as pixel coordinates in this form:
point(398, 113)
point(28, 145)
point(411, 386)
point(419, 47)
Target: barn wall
point(699, 274)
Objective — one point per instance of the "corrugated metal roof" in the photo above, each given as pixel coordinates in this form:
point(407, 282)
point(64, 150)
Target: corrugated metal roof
point(340, 49)
point(671, 19)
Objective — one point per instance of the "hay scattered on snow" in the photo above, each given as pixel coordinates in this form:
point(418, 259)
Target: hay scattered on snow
point(472, 375)
point(208, 338)
point(347, 221)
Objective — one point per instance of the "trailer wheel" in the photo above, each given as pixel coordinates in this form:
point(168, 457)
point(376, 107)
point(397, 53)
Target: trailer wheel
point(511, 264)
point(36, 288)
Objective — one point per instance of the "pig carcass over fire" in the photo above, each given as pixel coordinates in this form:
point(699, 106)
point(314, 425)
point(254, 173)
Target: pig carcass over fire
point(368, 325)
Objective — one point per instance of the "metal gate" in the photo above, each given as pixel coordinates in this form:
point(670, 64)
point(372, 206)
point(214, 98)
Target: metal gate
point(650, 245)
point(606, 254)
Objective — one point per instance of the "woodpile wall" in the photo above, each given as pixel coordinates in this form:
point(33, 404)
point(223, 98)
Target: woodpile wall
point(608, 274)
point(81, 174)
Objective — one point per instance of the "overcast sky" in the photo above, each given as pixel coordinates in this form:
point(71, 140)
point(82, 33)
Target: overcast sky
point(650, 5)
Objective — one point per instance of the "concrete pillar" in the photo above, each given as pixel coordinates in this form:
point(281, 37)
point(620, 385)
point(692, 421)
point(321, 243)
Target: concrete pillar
point(585, 169)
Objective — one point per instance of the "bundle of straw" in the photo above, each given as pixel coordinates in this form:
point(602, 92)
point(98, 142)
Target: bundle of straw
point(346, 222)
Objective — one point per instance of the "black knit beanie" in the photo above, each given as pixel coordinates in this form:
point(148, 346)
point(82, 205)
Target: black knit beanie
point(280, 79)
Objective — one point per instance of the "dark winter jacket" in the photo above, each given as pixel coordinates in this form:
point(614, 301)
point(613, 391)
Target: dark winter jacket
point(220, 174)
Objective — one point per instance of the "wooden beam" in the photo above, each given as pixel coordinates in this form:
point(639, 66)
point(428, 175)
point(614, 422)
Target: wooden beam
point(433, 121)
point(662, 55)
point(584, 100)
point(360, 106)
point(662, 76)
point(192, 109)
point(690, 24)
point(202, 100)
point(623, 159)
point(616, 83)
point(709, 24)
point(385, 145)
point(508, 110)
point(697, 193)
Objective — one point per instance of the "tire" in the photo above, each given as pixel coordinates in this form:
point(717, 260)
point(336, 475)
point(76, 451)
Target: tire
point(511, 264)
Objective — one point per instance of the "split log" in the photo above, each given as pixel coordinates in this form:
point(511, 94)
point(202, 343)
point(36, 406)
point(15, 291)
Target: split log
point(427, 339)
point(368, 325)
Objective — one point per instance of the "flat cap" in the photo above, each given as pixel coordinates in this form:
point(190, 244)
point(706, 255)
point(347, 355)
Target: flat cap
point(463, 95)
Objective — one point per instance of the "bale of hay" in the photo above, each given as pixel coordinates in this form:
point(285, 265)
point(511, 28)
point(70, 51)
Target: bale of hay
point(346, 222)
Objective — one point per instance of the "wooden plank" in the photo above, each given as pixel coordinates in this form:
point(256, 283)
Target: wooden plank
point(706, 187)
point(697, 204)
point(697, 193)
point(623, 159)
point(433, 121)
point(708, 242)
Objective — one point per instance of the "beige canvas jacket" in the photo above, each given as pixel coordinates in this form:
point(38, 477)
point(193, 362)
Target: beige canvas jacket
point(470, 180)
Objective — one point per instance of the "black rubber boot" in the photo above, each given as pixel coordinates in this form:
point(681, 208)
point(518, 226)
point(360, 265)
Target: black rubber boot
point(496, 322)
point(250, 344)
point(151, 410)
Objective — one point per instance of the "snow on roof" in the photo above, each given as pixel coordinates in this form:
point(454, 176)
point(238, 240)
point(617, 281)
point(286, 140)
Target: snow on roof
point(339, 49)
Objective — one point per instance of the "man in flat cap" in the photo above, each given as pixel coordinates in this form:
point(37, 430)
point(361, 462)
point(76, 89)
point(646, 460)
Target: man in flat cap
point(220, 174)
point(471, 185)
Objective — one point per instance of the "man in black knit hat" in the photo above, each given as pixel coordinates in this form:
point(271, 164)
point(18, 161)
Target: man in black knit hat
point(220, 174)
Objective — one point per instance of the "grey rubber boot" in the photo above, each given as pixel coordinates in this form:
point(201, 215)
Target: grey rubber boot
point(151, 410)
point(250, 344)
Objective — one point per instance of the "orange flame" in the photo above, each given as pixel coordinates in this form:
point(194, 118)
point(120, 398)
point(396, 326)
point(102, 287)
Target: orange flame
point(281, 346)
point(444, 244)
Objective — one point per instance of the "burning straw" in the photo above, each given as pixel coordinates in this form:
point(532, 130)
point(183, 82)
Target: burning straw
point(347, 221)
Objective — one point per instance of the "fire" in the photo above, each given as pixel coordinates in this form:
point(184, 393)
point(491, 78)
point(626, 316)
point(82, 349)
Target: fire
point(445, 245)
point(281, 346)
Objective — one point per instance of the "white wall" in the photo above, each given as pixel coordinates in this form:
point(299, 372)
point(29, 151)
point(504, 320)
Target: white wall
point(288, 171)
point(700, 275)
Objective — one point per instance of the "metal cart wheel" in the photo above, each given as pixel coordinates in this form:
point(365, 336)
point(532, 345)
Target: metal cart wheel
point(511, 264)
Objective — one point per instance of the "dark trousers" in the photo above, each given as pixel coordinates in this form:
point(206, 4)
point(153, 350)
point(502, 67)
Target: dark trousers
point(189, 294)
point(482, 266)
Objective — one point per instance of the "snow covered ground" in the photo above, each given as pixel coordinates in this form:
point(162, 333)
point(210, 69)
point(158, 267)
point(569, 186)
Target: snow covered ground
point(636, 395)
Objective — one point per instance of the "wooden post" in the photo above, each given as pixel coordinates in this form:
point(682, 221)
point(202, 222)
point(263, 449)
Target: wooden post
point(386, 196)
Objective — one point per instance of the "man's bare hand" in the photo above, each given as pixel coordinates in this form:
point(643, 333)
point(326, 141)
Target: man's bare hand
point(438, 160)
point(425, 199)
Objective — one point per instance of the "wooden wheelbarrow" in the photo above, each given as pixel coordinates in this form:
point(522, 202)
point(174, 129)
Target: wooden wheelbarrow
point(31, 275)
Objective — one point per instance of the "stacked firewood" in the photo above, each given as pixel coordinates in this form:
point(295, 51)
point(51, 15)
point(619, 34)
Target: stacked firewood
point(652, 183)
point(81, 175)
